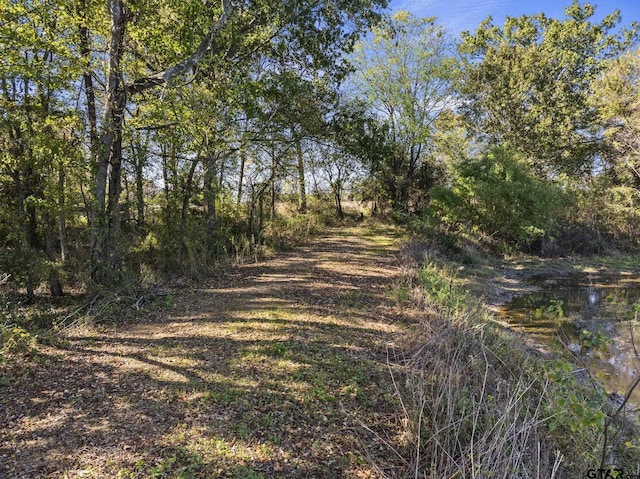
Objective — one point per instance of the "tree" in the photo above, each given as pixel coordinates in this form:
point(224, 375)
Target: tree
point(321, 30)
point(617, 97)
point(36, 136)
point(168, 87)
point(499, 196)
point(528, 84)
point(296, 105)
point(406, 73)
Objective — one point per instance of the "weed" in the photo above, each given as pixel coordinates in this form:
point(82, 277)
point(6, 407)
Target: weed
point(168, 301)
point(224, 396)
point(400, 294)
point(475, 404)
point(554, 311)
point(246, 473)
point(180, 463)
point(16, 340)
point(594, 340)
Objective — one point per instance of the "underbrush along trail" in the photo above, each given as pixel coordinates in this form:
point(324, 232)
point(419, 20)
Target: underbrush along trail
point(278, 369)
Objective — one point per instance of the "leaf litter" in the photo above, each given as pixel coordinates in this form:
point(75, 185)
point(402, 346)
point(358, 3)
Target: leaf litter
point(274, 369)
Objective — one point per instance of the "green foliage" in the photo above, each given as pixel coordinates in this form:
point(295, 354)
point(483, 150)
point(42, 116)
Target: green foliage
point(634, 311)
point(179, 463)
point(531, 88)
point(246, 473)
point(555, 310)
point(594, 340)
point(405, 74)
point(617, 98)
point(439, 284)
point(574, 408)
point(608, 215)
point(290, 229)
point(499, 197)
point(15, 340)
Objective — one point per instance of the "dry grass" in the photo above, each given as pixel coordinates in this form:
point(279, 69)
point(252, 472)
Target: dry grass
point(468, 414)
point(477, 404)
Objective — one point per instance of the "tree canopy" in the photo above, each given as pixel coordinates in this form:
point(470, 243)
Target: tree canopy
point(405, 72)
point(167, 132)
point(528, 84)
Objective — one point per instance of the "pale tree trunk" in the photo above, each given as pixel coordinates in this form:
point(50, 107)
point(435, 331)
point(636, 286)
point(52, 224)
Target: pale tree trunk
point(91, 206)
point(62, 222)
point(186, 198)
point(26, 247)
point(55, 286)
point(337, 192)
point(105, 214)
point(272, 205)
point(105, 228)
point(139, 156)
point(210, 193)
point(87, 78)
point(243, 162)
point(243, 159)
point(252, 205)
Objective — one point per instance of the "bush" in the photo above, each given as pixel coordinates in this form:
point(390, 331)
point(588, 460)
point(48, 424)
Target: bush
point(610, 212)
point(499, 197)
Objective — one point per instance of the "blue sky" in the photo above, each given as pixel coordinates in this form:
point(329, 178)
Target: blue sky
point(459, 15)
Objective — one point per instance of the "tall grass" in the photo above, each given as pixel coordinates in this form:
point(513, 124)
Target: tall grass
point(476, 404)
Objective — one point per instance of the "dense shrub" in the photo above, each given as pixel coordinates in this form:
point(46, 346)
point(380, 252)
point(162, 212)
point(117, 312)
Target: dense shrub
point(499, 197)
point(611, 211)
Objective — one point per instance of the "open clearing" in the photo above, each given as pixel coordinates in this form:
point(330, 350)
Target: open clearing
point(278, 369)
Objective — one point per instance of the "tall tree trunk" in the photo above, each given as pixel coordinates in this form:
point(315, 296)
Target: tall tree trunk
point(139, 196)
point(105, 215)
point(302, 189)
point(105, 219)
point(24, 229)
point(105, 228)
point(62, 221)
point(337, 192)
point(87, 78)
point(210, 194)
point(273, 185)
point(252, 206)
point(139, 155)
point(92, 206)
point(243, 160)
point(55, 286)
point(259, 237)
point(186, 198)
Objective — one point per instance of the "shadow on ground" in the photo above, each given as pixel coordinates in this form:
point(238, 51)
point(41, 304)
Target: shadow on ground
point(277, 370)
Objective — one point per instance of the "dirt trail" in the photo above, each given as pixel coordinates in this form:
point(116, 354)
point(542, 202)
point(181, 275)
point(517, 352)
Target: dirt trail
point(272, 371)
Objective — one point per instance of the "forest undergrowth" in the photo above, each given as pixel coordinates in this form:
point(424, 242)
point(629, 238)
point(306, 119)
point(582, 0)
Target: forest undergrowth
point(479, 401)
point(359, 354)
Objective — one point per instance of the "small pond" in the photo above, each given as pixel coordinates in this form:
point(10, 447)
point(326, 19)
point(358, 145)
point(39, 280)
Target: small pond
point(594, 306)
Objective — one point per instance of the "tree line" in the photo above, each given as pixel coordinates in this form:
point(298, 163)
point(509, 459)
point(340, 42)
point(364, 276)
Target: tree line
point(144, 135)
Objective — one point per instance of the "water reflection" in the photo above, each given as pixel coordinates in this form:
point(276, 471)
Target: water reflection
point(593, 309)
point(593, 296)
